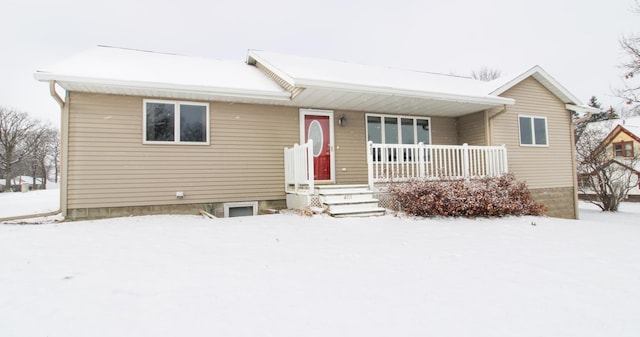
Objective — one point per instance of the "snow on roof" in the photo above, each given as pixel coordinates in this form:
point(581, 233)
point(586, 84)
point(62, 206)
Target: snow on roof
point(631, 124)
point(128, 67)
point(311, 72)
point(137, 72)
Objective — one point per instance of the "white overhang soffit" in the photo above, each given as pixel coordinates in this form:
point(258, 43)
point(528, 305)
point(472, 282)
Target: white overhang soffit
point(582, 109)
point(70, 82)
point(254, 56)
point(388, 91)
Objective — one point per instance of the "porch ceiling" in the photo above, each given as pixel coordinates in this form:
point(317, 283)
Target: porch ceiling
point(388, 103)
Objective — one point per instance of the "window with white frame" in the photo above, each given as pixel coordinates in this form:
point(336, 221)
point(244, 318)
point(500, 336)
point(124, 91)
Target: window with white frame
point(533, 130)
point(383, 129)
point(246, 208)
point(175, 122)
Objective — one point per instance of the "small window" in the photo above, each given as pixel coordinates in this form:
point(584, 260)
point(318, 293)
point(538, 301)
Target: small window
point(623, 149)
point(175, 122)
point(234, 209)
point(533, 131)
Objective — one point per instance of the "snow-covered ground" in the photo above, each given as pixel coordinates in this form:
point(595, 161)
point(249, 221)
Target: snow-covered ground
point(288, 275)
point(32, 202)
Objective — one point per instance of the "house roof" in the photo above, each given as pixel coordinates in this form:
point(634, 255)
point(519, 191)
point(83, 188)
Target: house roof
point(504, 83)
point(631, 126)
point(135, 72)
point(279, 79)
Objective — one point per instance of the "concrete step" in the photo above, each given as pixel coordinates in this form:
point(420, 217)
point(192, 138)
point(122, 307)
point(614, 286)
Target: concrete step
point(333, 187)
point(352, 205)
point(350, 190)
point(333, 198)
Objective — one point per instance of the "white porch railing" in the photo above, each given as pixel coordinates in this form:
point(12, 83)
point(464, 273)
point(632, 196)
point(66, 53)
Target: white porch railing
point(401, 162)
point(298, 168)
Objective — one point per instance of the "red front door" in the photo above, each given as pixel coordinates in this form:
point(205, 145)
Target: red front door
point(317, 128)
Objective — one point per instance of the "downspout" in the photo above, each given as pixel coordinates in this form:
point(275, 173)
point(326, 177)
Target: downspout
point(575, 171)
point(54, 94)
point(574, 162)
point(488, 118)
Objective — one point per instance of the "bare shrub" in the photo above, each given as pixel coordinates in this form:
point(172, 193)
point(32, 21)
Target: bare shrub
point(485, 197)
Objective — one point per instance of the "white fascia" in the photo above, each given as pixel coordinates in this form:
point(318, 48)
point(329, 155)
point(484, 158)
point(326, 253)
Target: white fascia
point(490, 100)
point(252, 58)
point(582, 109)
point(221, 91)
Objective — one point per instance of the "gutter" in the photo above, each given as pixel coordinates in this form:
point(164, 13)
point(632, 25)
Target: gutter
point(182, 88)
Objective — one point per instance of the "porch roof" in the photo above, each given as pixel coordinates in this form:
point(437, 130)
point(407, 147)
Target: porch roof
point(343, 85)
point(321, 84)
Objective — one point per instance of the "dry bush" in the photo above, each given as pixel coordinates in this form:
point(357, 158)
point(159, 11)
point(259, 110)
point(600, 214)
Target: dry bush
point(485, 197)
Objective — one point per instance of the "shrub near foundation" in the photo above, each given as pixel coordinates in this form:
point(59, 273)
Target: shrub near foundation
point(483, 197)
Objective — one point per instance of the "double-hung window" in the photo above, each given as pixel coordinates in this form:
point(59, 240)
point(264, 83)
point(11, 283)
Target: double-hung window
point(623, 149)
point(175, 122)
point(533, 131)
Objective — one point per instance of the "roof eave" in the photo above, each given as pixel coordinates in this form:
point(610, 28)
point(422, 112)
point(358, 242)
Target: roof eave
point(310, 83)
point(219, 91)
point(537, 70)
point(253, 57)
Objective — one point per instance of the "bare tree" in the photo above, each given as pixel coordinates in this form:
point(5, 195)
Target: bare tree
point(54, 155)
point(43, 139)
point(608, 178)
point(486, 74)
point(630, 92)
point(15, 145)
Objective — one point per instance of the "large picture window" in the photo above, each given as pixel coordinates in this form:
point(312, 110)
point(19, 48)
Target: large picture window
point(382, 129)
point(533, 130)
point(175, 122)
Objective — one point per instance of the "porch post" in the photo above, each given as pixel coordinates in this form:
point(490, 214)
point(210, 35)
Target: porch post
point(421, 161)
point(370, 164)
point(310, 168)
point(505, 163)
point(465, 160)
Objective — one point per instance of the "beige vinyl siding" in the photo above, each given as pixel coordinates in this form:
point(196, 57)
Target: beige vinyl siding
point(110, 167)
point(444, 131)
point(540, 166)
point(471, 129)
point(351, 149)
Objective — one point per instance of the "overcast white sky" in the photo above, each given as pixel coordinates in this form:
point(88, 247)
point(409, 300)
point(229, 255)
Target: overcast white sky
point(576, 41)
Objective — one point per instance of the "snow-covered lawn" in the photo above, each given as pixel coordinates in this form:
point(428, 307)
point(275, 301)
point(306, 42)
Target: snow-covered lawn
point(33, 202)
point(288, 275)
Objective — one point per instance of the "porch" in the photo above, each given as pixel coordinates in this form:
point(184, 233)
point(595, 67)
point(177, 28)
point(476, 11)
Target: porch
point(403, 162)
point(393, 163)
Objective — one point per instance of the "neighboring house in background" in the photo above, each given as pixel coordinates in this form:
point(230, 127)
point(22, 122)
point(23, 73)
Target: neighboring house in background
point(621, 141)
point(146, 132)
point(16, 183)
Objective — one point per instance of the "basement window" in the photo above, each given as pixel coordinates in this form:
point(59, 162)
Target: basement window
point(234, 209)
point(175, 122)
